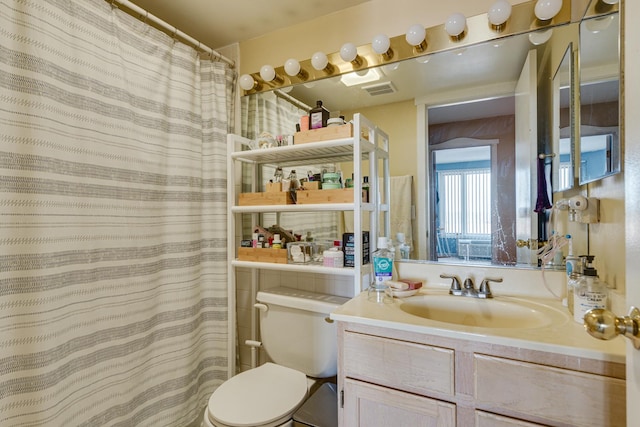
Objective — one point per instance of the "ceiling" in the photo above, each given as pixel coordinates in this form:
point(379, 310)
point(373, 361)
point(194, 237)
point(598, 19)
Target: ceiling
point(218, 23)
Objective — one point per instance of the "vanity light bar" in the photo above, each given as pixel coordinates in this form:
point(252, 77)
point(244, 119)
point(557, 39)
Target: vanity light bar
point(478, 29)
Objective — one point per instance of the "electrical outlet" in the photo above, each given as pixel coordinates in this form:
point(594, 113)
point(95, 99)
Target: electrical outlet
point(591, 214)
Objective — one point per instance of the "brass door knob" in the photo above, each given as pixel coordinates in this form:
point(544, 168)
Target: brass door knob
point(605, 325)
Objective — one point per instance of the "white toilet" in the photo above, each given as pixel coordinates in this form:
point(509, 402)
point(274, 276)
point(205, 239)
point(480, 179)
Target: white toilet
point(298, 336)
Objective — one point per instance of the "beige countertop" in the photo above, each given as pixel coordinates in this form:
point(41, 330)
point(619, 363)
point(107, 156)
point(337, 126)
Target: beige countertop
point(563, 336)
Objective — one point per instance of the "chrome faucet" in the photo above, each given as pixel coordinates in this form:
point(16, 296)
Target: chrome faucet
point(469, 290)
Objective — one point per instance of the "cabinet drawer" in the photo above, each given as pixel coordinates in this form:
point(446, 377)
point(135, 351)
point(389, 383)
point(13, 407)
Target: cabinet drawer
point(552, 394)
point(368, 405)
point(484, 419)
point(412, 367)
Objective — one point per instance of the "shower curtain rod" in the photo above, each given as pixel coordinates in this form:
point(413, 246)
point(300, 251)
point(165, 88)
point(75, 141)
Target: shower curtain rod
point(170, 29)
point(292, 100)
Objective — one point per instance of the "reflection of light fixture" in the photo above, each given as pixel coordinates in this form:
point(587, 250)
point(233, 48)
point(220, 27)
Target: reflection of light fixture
point(596, 25)
point(382, 46)
point(320, 62)
point(540, 37)
point(455, 25)
point(248, 83)
point(358, 78)
point(292, 68)
point(415, 36)
point(389, 68)
point(349, 53)
point(547, 9)
point(268, 74)
point(423, 59)
point(499, 13)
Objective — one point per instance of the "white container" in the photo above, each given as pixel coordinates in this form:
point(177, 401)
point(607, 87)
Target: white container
point(333, 257)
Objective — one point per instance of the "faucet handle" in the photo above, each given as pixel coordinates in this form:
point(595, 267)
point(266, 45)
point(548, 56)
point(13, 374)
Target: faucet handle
point(456, 288)
point(485, 291)
point(468, 283)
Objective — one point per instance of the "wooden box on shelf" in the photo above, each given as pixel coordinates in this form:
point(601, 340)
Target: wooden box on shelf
point(267, 198)
point(340, 195)
point(277, 256)
point(323, 134)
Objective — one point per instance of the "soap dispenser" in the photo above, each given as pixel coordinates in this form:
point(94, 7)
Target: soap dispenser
point(590, 292)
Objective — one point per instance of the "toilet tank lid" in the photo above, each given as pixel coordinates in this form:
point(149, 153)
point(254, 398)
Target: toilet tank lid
point(303, 300)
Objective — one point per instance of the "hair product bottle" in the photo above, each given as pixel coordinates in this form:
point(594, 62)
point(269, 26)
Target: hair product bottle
point(318, 116)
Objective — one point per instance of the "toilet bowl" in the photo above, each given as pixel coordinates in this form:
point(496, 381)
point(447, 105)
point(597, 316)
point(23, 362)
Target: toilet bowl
point(265, 396)
point(299, 337)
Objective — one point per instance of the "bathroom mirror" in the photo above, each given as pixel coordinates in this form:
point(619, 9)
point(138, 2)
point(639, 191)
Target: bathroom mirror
point(599, 142)
point(486, 71)
point(562, 157)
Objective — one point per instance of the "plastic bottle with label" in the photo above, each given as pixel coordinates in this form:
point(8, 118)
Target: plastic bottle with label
point(382, 258)
point(277, 243)
point(589, 293)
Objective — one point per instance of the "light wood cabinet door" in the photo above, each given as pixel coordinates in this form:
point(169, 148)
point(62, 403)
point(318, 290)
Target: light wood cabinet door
point(557, 395)
point(368, 405)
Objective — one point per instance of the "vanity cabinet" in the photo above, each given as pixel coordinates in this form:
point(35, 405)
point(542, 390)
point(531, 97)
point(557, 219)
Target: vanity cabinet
point(367, 149)
point(388, 375)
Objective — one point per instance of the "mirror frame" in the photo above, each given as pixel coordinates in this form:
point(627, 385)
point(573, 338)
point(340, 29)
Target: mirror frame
point(566, 74)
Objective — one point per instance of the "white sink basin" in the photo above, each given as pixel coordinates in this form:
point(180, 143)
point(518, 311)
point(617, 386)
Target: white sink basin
point(498, 312)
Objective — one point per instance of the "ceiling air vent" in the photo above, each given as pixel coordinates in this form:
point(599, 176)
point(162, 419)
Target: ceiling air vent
point(380, 88)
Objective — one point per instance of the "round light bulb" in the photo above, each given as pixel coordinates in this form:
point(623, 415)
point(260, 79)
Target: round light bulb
point(499, 13)
point(267, 73)
point(547, 9)
point(348, 52)
point(319, 61)
point(381, 44)
point(455, 24)
point(292, 67)
point(247, 82)
point(415, 35)
point(610, 1)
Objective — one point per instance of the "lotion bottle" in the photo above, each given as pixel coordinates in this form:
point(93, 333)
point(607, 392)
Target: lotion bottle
point(589, 293)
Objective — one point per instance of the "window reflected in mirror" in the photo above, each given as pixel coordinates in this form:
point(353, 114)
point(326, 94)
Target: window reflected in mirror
point(463, 203)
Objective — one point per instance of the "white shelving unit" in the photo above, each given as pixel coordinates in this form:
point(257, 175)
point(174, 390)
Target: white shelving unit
point(368, 147)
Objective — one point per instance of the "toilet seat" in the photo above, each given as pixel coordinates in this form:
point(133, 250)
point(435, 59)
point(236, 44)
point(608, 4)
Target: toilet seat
point(264, 396)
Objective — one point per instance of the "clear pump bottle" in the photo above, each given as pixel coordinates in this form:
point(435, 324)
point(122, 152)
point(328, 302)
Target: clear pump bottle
point(590, 292)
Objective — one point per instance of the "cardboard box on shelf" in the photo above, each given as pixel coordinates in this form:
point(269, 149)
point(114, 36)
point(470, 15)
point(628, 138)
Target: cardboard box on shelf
point(323, 134)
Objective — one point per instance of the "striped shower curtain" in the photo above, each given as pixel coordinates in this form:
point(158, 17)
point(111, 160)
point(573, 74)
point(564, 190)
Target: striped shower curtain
point(113, 288)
